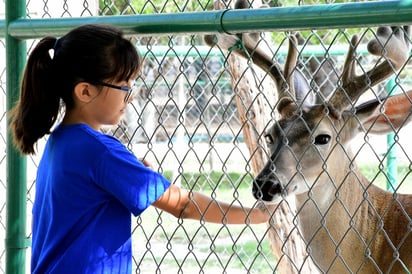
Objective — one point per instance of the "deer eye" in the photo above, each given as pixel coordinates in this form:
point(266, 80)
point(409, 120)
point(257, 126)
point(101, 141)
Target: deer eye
point(322, 139)
point(269, 139)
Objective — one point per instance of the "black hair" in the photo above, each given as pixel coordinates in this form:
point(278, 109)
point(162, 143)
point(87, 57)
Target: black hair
point(89, 53)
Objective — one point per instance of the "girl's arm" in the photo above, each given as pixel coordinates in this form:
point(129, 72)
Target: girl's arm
point(193, 205)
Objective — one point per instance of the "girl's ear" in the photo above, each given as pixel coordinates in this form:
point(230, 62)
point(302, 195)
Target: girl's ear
point(85, 92)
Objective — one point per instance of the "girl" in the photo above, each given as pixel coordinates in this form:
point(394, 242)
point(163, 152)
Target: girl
point(88, 184)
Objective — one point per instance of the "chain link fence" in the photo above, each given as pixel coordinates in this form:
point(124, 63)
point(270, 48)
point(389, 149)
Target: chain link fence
point(185, 121)
point(3, 183)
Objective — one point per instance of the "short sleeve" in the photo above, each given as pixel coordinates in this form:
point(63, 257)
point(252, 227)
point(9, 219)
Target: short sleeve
point(121, 174)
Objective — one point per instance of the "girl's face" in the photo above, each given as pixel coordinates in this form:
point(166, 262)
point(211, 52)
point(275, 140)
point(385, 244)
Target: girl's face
point(108, 103)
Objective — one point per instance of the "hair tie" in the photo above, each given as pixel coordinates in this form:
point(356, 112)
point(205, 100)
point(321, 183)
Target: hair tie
point(55, 43)
point(53, 49)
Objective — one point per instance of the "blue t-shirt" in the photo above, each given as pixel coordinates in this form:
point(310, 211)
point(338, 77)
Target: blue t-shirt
point(87, 186)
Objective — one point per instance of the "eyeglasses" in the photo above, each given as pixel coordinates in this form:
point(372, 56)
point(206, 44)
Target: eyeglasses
point(130, 92)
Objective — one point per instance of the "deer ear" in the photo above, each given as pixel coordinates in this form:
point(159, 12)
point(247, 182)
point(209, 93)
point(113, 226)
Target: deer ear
point(303, 92)
point(286, 106)
point(394, 113)
point(367, 112)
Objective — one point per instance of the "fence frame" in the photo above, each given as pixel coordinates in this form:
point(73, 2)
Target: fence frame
point(16, 28)
point(16, 242)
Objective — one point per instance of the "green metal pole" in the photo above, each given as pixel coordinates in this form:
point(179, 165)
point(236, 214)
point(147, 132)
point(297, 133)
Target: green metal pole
point(391, 161)
point(346, 15)
point(16, 236)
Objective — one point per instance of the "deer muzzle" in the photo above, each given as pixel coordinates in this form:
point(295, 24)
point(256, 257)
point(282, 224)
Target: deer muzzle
point(266, 186)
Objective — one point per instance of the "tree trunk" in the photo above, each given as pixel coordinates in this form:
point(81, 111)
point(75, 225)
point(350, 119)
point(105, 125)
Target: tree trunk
point(255, 109)
point(254, 114)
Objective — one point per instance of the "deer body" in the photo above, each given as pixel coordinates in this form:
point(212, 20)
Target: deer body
point(348, 224)
point(358, 242)
point(355, 227)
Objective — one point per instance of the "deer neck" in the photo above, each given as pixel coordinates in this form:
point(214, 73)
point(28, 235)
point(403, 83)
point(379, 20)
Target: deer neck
point(333, 197)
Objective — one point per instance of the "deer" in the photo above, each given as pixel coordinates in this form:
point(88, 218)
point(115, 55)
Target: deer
point(348, 224)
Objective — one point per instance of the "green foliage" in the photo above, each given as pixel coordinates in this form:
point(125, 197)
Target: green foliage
point(379, 177)
point(118, 7)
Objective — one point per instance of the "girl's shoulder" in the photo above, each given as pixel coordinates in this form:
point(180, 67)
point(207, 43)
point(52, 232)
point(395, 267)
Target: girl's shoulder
point(84, 135)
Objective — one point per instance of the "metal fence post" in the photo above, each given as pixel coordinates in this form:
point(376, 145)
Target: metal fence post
point(16, 239)
point(391, 161)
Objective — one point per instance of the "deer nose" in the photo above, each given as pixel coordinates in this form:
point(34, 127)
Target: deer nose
point(266, 189)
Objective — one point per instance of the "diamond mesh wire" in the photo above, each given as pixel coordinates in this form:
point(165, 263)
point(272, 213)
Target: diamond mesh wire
point(185, 121)
point(3, 183)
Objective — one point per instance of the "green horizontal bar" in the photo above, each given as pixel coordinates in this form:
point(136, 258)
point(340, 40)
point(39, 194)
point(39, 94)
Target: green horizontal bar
point(344, 15)
point(165, 23)
point(189, 51)
point(247, 20)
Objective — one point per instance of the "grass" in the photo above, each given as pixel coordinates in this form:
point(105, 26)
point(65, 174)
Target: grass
point(211, 181)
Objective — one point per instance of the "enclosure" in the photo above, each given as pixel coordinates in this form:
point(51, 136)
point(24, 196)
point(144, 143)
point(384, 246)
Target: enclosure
point(201, 116)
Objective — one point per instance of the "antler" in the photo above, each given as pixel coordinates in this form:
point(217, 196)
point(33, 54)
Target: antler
point(249, 46)
point(246, 46)
point(391, 44)
point(290, 82)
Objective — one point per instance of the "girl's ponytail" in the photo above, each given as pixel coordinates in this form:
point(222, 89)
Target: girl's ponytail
point(38, 106)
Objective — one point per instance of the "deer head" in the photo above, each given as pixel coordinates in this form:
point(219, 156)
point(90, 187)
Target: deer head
point(308, 139)
point(309, 144)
